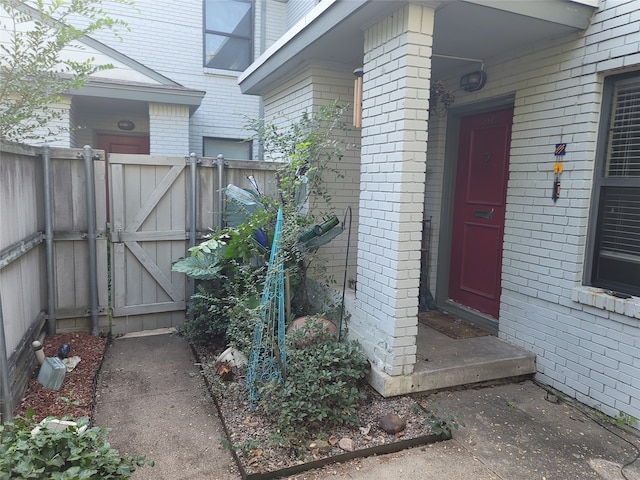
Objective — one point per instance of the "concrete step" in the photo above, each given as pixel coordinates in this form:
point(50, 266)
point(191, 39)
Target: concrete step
point(445, 362)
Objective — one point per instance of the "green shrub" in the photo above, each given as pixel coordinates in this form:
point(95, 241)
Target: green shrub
point(322, 387)
point(69, 454)
point(243, 317)
point(209, 309)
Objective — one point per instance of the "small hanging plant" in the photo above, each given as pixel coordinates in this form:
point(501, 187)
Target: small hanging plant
point(441, 98)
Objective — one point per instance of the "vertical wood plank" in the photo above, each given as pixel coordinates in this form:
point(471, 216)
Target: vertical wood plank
point(118, 277)
point(117, 198)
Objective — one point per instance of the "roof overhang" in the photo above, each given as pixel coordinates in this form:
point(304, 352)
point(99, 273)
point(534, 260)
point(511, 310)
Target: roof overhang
point(333, 33)
point(118, 90)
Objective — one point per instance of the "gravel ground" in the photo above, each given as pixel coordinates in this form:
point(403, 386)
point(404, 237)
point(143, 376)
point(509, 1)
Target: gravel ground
point(259, 450)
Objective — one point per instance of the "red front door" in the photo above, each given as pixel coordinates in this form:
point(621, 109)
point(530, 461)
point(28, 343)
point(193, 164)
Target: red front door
point(479, 210)
point(120, 144)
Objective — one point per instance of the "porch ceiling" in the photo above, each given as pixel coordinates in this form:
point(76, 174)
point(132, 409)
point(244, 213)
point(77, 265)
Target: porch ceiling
point(332, 33)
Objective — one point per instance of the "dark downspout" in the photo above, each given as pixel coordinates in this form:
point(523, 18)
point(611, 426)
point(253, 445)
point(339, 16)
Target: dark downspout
point(91, 237)
point(48, 235)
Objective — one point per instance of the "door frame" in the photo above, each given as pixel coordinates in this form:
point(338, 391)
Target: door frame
point(454, 115)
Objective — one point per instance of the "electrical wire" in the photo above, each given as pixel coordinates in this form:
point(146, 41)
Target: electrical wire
point(575, 406)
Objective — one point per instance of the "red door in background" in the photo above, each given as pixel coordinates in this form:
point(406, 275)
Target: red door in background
point(120, 144)
point(479, 211)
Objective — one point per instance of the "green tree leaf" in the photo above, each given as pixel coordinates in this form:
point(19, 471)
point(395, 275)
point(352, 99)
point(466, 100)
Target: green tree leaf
point(34, 72)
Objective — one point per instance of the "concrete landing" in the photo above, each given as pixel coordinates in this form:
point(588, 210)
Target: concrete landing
point(444, 362)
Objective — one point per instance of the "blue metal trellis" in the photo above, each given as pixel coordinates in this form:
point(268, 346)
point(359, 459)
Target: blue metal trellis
point(267, 360)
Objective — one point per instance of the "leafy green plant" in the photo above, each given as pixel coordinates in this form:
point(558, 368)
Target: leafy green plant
point(209, 319)
point(246, 447)
point(231, 263)
point(443, 424)
point(70, 401)
point(225, 307)
point(624, 419)
point(321, 387)
point(311, 148)
point(74, 453)
point(243, 317)
point(34, 72)
point(621, 419)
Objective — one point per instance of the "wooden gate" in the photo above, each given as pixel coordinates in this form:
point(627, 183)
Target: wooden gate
point(150, 230)
point(148, 233)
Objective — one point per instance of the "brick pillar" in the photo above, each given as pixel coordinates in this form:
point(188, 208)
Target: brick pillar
point(169, 129)
point(397, 69)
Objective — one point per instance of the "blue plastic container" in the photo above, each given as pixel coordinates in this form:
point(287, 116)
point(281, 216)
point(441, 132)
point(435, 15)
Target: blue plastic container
point(52, 373)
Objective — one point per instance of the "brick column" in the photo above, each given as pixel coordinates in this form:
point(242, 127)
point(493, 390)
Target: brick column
point(397, 69)
point(169, 129)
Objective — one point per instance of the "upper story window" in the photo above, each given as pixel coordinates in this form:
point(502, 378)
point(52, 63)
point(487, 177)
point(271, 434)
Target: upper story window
point(616, 259)
point(228, 34)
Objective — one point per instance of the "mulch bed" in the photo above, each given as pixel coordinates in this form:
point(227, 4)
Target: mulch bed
point(76, 394)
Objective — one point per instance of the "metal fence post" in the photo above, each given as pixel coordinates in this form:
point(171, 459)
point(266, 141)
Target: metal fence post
point(193, 216)
point(91, 237)
point(220, 164)
point(48, 235)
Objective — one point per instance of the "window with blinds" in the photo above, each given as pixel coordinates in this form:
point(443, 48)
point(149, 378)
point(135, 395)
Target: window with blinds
point(617, 247)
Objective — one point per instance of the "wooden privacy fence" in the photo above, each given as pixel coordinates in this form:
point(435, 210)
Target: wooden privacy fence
point(43, 213)
point(55, 242)
point(159, 207)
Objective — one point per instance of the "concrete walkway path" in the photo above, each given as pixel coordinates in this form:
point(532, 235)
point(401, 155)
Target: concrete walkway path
point(151, 395)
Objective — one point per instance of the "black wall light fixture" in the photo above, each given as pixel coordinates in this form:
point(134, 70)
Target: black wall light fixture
point(471, 82)
point(126, 125)
point(474, 81)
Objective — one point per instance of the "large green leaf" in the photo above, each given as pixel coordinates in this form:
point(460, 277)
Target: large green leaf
point(204, 267)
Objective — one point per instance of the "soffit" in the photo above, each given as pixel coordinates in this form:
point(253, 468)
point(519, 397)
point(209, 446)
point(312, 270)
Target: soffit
point(333, 33)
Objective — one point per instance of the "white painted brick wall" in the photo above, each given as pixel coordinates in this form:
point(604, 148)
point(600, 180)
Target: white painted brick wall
point(585, 344)
point(392, 187)
point(296, 9)
point(169, 129)
point(275, 22)
point(309, 89)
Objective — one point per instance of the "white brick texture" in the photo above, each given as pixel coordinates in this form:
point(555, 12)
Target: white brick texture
point(392, 183)
point(169, 129)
